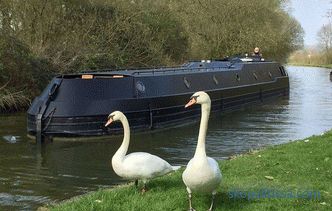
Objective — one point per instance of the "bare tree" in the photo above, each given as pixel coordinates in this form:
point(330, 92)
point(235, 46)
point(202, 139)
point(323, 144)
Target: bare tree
point(325, 37)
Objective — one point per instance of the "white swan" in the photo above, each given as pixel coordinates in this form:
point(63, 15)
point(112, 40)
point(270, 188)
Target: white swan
point(138, 165)
point(202, 173)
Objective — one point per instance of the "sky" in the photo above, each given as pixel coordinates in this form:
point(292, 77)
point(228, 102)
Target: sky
point(312, 15)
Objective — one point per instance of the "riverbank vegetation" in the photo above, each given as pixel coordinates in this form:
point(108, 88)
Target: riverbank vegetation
point(41, 38)
point(311, 57)
point(320, 55)
point(293, 176)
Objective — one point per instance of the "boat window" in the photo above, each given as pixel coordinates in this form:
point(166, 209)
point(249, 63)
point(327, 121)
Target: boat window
point(140, 86)
point(270, 74)
point(282, 70)
point(216, 82)
point(186, 82)
point(108, 76)
point(255, 76)
point(98, 76)
point(238, 77)
point(87, 77)
point(117, 76)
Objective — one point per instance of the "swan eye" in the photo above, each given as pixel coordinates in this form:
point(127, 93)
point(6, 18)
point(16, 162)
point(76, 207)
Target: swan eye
point(195, 97)
point(111, 116)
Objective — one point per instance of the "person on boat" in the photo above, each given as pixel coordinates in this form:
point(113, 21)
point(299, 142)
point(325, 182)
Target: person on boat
point(257, 53)
point(257, 56)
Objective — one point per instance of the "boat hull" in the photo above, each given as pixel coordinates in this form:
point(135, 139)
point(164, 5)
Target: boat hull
point(74, 107)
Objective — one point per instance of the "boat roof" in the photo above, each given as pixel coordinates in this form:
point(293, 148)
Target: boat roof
point(191, 66)
point(196, 66)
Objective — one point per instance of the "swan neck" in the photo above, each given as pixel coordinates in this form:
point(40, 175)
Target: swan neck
point(200, 149)
point(126, 139)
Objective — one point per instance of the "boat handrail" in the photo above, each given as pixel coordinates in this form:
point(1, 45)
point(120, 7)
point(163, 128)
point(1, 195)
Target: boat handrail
point(168, 70)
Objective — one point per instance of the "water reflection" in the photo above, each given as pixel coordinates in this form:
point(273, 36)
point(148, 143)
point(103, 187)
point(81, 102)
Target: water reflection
point(30, 177)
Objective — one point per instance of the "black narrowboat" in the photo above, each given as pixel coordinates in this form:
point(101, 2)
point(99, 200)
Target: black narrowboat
point(78, 104)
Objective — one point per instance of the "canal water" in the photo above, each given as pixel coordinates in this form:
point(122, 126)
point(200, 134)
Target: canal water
point(30, 177)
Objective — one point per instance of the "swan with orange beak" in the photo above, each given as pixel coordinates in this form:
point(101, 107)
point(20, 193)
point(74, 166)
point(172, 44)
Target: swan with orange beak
point(138, 165)
point(202, 173)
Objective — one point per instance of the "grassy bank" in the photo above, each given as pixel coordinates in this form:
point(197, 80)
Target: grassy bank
point(295, 168)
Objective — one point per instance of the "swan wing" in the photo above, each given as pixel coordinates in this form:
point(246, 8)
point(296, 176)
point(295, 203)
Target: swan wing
point(145, 165)
point(215, 167)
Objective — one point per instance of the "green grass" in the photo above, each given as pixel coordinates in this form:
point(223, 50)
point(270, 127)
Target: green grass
point(294, 167)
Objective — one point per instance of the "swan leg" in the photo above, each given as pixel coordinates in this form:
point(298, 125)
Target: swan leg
point(189, 196)
point(144, 189)
point(212, 202)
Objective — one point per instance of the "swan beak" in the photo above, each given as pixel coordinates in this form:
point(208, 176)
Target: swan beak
point(109, 122)
point(190, 103)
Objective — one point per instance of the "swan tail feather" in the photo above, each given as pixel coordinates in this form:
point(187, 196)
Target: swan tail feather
point(175, 168)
